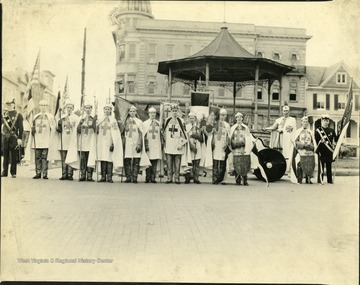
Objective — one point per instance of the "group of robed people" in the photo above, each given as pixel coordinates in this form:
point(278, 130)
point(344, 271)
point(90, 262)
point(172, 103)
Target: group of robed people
point(180, 146)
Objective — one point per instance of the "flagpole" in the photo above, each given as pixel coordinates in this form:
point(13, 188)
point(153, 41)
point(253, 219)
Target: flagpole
point(83, 71)
point(96, 140)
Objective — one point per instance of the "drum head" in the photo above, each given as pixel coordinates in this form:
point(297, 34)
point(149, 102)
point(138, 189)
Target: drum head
point(274, 164)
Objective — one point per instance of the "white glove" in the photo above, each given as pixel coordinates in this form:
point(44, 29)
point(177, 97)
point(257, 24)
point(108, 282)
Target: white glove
point(19, 141)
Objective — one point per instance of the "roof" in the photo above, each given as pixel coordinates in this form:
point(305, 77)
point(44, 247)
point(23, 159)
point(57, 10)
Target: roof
point(314, 74)
point(224, 45)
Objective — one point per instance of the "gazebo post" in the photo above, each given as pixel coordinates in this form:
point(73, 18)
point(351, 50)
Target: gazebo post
point(255, 127)
point(270, 82)
point(195, 85)
point(169, 84)
point(234, 94)
point(207, 76)
point(281, 83)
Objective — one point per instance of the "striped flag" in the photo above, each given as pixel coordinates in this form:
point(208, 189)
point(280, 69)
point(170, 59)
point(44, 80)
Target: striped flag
point(34, 78)
point(65, 94)
point(29, 106)
point(345, 121)
point(57, 106)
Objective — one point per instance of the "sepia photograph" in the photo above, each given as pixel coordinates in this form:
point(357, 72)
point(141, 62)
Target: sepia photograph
point(180, 141)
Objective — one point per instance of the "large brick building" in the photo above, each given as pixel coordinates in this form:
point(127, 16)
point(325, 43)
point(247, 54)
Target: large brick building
point(142, 41)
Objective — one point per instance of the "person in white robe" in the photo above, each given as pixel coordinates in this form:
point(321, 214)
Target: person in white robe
point(197, 148)
point(86, 135)
point(66, 127)
point(153, 145)
point(216, 149)
point(108, 149)
point(241, 144)
point(175, 145)
point(42, 143)
point(281, 134)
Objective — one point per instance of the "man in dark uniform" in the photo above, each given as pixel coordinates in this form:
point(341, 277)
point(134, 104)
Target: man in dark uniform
point(326, 139)
point(11, 134)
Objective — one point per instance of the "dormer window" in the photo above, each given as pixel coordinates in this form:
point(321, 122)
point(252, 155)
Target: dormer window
point(341, 78)
point(294, 56)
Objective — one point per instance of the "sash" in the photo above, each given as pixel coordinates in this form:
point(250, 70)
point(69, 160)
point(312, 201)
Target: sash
point(325, 139)
point(13, 123)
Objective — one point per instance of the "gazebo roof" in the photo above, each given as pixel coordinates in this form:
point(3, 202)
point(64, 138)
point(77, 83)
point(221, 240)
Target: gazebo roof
point(228, 62)
point(224, 45)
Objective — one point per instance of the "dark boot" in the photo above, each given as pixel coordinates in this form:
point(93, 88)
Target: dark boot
point(89, 174)
point(136, 168)
point(196, 171)
point(153, 170)
point(187, 177)
point(238, 179)
point(109, 172)
point(103, 171)
point(245, 180)
point(148, 174)
point(127, 166)
point(215, 175)
point(299, 174)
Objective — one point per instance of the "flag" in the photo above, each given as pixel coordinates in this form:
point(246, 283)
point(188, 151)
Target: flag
point(29, 106)
point(345, 121)
point(121, 110)
point(65, 94)
point(34, 78)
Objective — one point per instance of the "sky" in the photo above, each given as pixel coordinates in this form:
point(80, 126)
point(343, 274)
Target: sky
point(56, 28)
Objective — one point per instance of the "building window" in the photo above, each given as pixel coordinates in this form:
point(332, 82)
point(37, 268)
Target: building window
point(152, 53)
point(169, 51)
point(259, 94)
point(131, 83)
point(221, 91)
point(120, 88)
point(320, 102)
point(276, 56)
point(293, 91)
point(121, 53)
point(186, 89)
point(151, 83)
point(341, 78)
point(132, 51)
point(339, 102)
point(260, 54)
point(187, 50)
point(294, 57)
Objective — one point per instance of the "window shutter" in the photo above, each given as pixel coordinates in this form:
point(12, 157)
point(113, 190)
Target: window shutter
point(327, 102)
point(356, 102)
point(348, 131)
point(314, 101)
point(336, 101)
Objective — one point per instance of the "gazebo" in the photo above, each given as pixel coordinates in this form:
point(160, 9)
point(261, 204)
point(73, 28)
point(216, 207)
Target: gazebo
point(225, 60)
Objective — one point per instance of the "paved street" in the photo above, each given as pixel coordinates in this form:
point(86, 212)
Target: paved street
point(156, 232)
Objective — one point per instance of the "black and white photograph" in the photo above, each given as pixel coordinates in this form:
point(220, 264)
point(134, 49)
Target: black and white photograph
point(180, 141)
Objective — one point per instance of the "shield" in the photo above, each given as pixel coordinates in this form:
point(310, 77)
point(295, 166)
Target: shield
point(273, 163)
point(307, 163)
point(242, 164)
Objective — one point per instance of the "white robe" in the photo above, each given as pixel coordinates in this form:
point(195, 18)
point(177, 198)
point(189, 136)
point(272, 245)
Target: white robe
point(153, 137)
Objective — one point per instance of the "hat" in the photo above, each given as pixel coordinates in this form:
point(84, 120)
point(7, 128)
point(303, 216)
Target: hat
point(43, 102)
point(88, 103)
point(286, 108)
point(305, 118)
point(10, 102)
point(108, 106)
point(133, 108)
point(223, 111)
point(238, 114)
point(69, 102)
point(325, 116)
point(152, 110)
point(174, 107)
point(191, 114)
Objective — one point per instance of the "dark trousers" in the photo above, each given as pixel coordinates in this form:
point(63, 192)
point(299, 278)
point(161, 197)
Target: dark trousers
point(321, 165)
point(300, 175)
point(173, 166)
point(151, 170)
point(67, 170)
point(132, 167)
point(106, 170)
point(219, 168)
point(10, 157)
point(84, 157)
point(194, 172)
point(41, 163)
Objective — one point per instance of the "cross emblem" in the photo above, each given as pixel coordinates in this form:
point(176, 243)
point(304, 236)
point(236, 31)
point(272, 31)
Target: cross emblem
point(105, 127)
point(220, 132)
point(153, 130)
point(85, 127)
point(238, 135)
point(173, 130)
point(131, 128)
point(40, 126)
point(67, 125)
